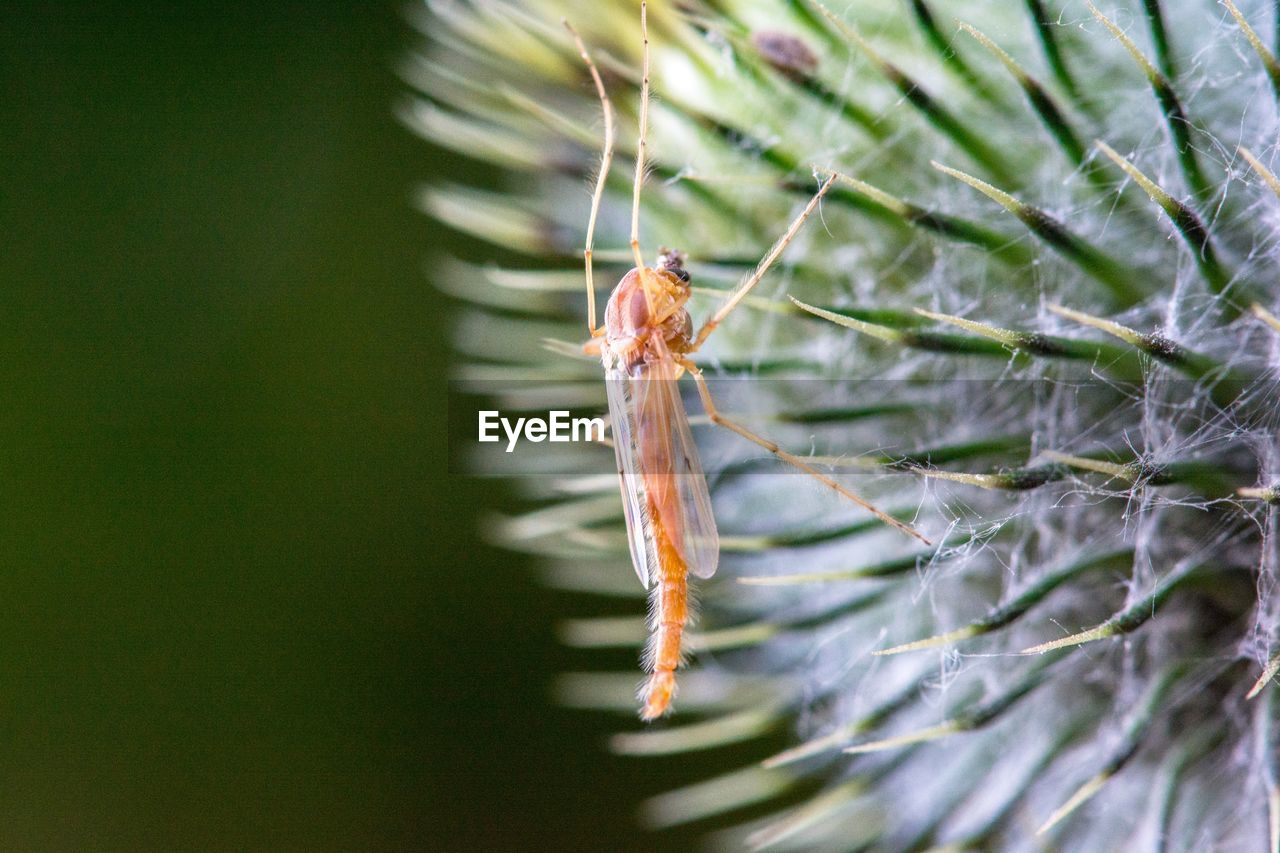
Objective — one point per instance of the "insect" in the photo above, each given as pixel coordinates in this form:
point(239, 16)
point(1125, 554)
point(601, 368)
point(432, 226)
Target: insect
point(645, 346)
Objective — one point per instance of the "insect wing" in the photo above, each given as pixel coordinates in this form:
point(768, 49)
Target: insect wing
point(635, 507)
point(668, 461)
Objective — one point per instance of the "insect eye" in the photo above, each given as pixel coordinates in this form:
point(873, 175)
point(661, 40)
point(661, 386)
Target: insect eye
point(681, 274)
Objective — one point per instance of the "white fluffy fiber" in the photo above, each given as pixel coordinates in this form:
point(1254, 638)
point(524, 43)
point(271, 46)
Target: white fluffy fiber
point(1199, 778)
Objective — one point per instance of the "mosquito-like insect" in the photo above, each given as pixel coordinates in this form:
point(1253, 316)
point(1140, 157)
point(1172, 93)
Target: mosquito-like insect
point(645, 344)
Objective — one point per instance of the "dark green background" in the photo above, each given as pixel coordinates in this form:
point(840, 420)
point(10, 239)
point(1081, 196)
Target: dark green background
point(243, 604)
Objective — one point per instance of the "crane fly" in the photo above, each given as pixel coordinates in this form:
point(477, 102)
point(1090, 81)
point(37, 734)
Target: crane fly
point(645, 346)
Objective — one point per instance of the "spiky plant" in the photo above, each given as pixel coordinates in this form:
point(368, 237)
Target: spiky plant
point(1035, 320)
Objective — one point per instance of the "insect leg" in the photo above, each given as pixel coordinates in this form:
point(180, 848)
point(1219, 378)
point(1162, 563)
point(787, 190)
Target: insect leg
point(716, 418)
point(606, 158)
point(771, 256)
point(644, 132)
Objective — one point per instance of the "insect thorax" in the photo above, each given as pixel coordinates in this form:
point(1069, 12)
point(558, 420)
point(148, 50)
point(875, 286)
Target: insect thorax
point(646, 315)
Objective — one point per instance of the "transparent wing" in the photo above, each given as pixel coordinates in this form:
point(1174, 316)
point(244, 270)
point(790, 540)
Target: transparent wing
point(622, 417)
point(675, 489)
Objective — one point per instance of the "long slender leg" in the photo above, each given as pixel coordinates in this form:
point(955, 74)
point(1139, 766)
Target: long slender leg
point(716, 418)
point(644, 132)
point(606, 158)
point(771, 256)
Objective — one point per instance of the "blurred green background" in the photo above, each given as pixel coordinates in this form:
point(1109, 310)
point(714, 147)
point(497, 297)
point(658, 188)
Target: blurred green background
point(244, 603)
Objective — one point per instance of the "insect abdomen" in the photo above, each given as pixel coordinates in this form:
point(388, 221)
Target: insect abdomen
point(670, 615)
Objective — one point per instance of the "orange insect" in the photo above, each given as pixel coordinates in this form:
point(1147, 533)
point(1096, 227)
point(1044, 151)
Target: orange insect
point(645, 345)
